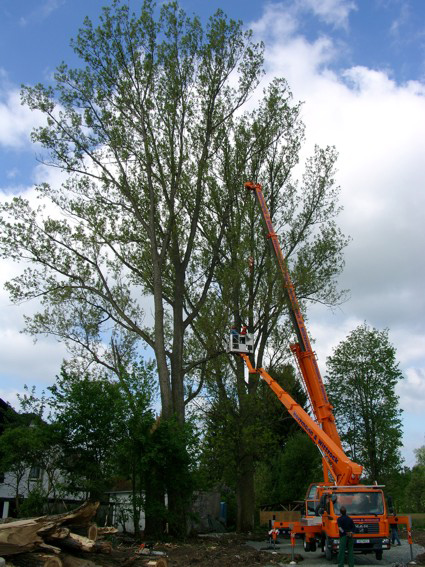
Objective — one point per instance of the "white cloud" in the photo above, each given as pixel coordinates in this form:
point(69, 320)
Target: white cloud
point(16, 120)
point(281, 18)
point(376, 125)
point(22, 360)
point(41, 12)
point(334, 12)
point(412, 392)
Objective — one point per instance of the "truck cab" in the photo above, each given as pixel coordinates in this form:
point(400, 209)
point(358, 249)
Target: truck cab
point(365, 505)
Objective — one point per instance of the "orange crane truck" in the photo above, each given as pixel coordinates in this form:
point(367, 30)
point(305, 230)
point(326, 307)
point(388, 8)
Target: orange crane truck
point(341, 485)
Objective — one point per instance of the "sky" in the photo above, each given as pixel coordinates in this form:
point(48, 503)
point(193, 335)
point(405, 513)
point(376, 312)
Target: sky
point(359, 68)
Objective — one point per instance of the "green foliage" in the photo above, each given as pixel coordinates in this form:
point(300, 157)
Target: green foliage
point(34, 504)
point(415, 490)
point(88, 413)
point(290, 471)
point(420, 455)
point(362, 376)
point(28, 442)
point(395, 486)
point(266, 432)
point(168, 464)
point(105, 430)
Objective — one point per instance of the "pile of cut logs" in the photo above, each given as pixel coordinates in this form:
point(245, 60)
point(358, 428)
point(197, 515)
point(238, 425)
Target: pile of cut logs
point(54, 541)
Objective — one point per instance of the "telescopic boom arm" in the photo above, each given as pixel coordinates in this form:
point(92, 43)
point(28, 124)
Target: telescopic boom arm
point(344, 471)
point(302, 350)
point(326, 436)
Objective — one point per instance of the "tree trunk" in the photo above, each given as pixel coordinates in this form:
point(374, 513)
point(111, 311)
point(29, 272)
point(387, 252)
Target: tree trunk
point(154, 504)
point(245, 495)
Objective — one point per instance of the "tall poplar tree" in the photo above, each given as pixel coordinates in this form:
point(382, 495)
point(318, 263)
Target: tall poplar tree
point(136, 129)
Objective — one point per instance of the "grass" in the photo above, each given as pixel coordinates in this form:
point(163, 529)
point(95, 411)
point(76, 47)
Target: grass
point(418, 520)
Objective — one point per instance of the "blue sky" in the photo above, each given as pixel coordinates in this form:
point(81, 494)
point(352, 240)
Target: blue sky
point(359, 67)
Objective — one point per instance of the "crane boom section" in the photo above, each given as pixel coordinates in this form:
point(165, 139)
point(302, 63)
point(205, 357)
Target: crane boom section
point(343, 469)
point(303, 352)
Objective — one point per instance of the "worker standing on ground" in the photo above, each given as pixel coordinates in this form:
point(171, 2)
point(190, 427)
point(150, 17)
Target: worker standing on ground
point(346, 541)
point(394, 534)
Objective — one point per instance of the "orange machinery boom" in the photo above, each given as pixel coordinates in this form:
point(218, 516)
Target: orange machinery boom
point(306, 358)
point(344, 471)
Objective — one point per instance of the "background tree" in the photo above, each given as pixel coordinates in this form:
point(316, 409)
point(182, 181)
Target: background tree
point(106, 429)
point(415, 489)
point(420, 455)
point(30, 456)
point(362, 375)
point(293, 468)
point(88, 412)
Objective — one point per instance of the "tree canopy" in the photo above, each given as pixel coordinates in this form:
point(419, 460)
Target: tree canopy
point(148, 242)
point(362, 375)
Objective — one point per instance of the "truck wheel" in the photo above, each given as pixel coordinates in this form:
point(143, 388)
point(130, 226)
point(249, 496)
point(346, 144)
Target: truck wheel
point(378, 555)
point(328, 550)
point(306, 545)
point(313, 546)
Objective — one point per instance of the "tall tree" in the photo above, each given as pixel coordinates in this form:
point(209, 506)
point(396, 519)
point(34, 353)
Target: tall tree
point(362, 375)
point(137, 129)
point(420, 456)
point(265, 147)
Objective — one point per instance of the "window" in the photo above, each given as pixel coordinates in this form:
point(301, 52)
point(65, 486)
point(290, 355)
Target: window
point(35, 473)
point(359, 503)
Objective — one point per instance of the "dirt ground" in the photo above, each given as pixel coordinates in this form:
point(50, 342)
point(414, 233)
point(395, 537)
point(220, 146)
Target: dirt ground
point(419, 538)
point(228, 550)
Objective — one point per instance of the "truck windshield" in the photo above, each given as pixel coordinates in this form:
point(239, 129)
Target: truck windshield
point(359, 503)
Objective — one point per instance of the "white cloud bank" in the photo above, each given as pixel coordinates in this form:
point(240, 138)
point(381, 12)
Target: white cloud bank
point(377, 127)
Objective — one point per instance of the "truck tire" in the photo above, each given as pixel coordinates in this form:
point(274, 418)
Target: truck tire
point(313, 545)
point(378, 555)
point(306, 545)
point(328, 550)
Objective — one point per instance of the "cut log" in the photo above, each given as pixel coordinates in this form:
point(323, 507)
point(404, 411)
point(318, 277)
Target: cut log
point(60, 533)
point(28, 535)
point(157, 562)
point(71, 561)
point(89, 531)
point(77, 543)
point(102, 547)
point(50, 548)
point(37, 560)
point(82, 515)
point(20, 536)
point(107, 530)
